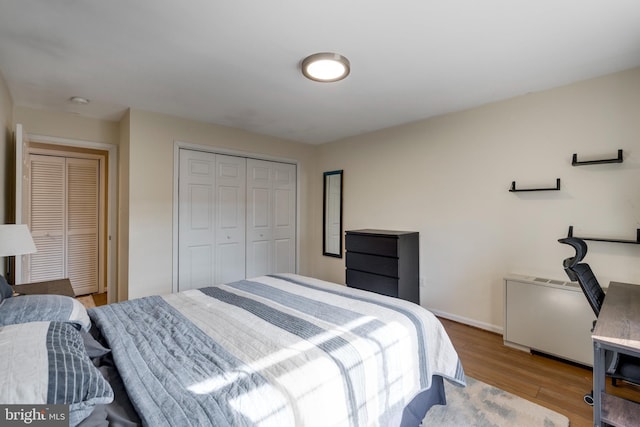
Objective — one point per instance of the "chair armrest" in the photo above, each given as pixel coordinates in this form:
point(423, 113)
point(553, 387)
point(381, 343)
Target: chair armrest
point(611, 359)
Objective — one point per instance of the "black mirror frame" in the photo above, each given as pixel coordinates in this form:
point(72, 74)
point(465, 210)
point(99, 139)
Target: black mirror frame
point(325, 209)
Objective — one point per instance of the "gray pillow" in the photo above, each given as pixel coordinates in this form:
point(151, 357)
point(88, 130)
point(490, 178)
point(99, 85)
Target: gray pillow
point(45, 363)
point(45, 308)
point(93, 347)
point(6, 291)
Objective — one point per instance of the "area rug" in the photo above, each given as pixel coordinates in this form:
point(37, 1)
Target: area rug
point(481, 405)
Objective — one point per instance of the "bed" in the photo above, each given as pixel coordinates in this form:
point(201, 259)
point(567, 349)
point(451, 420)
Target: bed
point(280, 350)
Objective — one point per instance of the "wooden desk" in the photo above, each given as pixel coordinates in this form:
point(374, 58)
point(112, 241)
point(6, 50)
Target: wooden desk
point(617, 329)
point(56, 287)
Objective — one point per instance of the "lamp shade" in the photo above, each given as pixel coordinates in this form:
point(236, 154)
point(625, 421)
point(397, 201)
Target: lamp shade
point(15, 239)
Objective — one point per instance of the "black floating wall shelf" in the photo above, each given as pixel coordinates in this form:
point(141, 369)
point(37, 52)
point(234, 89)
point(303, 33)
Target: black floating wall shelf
point(575, 162)
point(634, 242)
point(513, 188)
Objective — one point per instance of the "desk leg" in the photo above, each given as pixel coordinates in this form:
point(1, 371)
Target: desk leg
point(598, 383)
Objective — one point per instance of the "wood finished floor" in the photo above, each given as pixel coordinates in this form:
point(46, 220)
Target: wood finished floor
point(100, 299)
point(554, 384)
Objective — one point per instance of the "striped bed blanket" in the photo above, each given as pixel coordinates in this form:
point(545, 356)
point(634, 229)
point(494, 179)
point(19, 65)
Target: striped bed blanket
point(282, 350)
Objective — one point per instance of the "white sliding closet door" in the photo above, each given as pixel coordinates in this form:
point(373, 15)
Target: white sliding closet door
point(231, 185)
point(64, 219)
point(196, 252)
point(271, 217)
point(211, 235)
point(236, 218)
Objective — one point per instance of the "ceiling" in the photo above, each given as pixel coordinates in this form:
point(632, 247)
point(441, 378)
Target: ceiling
point(237, 63)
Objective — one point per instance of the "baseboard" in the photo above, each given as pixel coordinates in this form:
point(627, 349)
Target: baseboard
point(467, 321)
point(517, 346)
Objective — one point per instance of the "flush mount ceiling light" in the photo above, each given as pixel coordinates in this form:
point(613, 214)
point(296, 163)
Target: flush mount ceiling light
point(78, 100)
point(325, 67)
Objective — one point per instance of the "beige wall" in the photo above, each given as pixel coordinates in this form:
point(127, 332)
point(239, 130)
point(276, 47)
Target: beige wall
point(123, 210)
point(445, 177)
point(145, 182)
point(73, 127)
point(67, 125)
point(448, 178)
point(6, 150)
point(150, 186)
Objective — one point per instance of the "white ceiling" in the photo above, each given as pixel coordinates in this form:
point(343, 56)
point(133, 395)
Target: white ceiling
point(237, 62)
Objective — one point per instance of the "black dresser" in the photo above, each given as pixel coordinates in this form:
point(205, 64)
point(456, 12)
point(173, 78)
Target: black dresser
point(385, 262)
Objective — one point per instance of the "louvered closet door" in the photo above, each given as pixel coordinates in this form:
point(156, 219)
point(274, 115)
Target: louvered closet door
point(64, 221)
point(82, 224)
point(47, 218)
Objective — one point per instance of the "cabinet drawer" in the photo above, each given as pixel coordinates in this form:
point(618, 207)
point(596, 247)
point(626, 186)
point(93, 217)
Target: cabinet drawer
point(376, 245)
point(372, 282)
point(373, 263)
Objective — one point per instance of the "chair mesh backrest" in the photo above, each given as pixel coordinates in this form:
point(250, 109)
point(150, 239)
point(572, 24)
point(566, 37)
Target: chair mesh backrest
point(590, 286)
point(582, 273)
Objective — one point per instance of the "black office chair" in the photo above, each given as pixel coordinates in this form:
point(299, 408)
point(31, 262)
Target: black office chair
point(617, 366)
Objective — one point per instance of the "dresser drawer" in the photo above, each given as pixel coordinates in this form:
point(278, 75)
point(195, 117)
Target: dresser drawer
point(376, 245)
point(372, 282)
point(373, 263)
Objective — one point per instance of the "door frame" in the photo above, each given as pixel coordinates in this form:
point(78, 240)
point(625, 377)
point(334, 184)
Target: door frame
point(177, 146)
point(111, 188)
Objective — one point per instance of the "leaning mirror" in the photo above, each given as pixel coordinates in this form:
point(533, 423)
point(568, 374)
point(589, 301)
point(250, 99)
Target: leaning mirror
point(332, 215)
